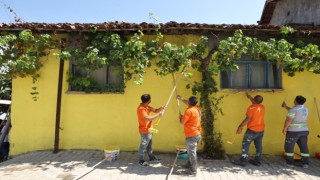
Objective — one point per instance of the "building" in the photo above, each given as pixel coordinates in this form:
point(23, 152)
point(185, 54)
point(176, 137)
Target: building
point(67, 119)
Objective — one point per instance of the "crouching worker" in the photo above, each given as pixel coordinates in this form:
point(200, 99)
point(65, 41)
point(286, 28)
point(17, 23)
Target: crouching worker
point(145, 122)
point(191, 120)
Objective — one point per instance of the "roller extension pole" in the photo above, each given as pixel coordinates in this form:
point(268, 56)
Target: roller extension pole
point(174, 88)
point(88, 171)
point(174, 81)
point(315, 101)
point(174, 163)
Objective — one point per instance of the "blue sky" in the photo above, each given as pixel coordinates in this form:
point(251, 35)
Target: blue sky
point(134, 11)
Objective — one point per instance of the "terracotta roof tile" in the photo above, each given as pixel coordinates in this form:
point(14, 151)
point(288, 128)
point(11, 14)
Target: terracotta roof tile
point(125, 26)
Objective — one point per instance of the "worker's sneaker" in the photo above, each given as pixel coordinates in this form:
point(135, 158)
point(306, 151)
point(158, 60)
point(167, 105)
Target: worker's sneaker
point(154, 160)
point(143, 163)
point(290, 165)
point(187, 165)
point(305, 166)
point(240, 162)
point(191, 172)
point(255, 162)
point(4, 158)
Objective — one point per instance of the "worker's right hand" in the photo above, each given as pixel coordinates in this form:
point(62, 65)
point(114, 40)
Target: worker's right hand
point(160, 114)
point(283, 104)
point(248, 96)
point(284, 131)
point(179, 97)
point(239, 130)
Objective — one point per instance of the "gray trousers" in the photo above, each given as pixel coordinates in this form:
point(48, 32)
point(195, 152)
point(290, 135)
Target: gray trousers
point(192, 143)
point(146, 144)
point(301, 138)
point(248, 137)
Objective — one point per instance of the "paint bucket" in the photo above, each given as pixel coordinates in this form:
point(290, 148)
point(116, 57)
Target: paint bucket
point(182, 152)
point(111, 153)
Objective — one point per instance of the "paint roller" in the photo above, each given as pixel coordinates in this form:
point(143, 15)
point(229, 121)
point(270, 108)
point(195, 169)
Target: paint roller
point(173, 90)
point(153, 130)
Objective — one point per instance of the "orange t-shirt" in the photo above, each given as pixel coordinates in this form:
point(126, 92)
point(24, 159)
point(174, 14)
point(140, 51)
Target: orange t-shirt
point(192, 120)
point(142, 111)
point(256, 112)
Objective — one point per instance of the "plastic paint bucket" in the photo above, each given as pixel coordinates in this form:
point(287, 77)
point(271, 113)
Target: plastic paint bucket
point(111, 153)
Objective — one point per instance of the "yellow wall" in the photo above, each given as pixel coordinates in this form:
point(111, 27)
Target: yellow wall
point(92, 121)
point(33, 122)
point(235, 104)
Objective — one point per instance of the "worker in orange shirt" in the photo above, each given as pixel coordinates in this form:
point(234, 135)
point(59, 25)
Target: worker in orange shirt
point(145, 122)
point(191, 120)
point(255, 129)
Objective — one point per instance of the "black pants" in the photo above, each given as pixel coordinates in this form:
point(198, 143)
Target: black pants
point(301, 138)
point(4, 151)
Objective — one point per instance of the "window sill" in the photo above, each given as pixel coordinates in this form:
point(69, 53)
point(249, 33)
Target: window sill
point(92, 93)
point(251, 90)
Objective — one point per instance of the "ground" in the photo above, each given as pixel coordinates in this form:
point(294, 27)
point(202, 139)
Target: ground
point(78, 164)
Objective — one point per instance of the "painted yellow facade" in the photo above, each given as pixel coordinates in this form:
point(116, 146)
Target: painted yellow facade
point(93, 121)
point(235, 104)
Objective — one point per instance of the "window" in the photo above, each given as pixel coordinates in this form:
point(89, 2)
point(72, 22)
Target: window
point(252, 75)
point(106, 79)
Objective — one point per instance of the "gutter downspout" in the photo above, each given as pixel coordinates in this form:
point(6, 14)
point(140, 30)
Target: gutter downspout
point(58, 108)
